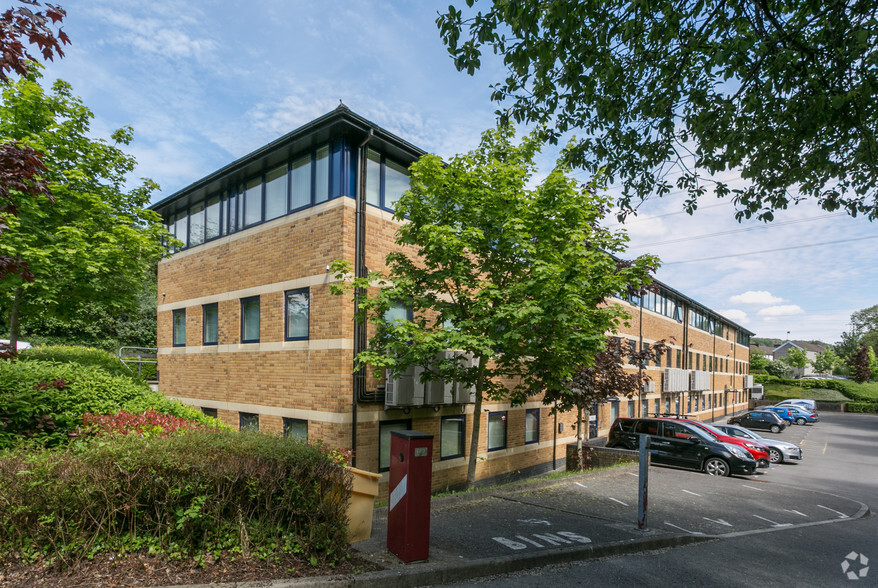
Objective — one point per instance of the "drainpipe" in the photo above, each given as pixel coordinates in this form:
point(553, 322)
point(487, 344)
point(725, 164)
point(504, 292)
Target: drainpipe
point(640, 364)
point(360, 272)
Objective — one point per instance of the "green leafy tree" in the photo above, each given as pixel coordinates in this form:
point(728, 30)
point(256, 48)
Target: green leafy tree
point(97, 241)
point(514, 279)
point(783, 92)
point(826, 362)
point(758, 362)
point(865, 323)
point(863, 363)
point(779, 368)
point(797, 358)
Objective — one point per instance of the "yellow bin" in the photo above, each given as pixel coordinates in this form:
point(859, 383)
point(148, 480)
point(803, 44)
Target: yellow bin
point(364, 489)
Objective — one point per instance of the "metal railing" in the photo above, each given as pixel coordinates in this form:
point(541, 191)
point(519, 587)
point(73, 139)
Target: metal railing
point(139, 356)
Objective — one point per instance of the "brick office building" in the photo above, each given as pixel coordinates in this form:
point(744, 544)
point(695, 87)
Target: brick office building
point(249, 332)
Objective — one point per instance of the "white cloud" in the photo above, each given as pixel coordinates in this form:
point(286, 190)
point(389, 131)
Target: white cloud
point(739, 316)
point(755, 297)
point(779, 311)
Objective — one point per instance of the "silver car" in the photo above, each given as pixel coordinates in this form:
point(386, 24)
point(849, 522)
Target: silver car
point(778, 451)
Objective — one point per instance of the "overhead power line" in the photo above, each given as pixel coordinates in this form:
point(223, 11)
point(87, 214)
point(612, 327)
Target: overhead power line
point(700, 259)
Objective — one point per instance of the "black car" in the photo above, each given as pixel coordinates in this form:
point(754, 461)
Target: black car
point(678, 444)
point(764, 420)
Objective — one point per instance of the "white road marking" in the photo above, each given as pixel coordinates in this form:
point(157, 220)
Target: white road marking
point(615, 500)
point(796, 512)
point(531, 541)
point(535, 522)
point(684, 530)
point(841, 515)
point(718, 521)
point(753, 488)
point(774, 524)
point(692, 493)
point(582, 485)
point(632, 474)
point(824, 447)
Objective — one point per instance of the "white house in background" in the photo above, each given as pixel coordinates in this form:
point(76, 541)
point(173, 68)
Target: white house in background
point(811, 351)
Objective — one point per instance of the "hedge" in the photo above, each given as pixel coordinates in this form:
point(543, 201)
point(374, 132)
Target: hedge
point(86, 356)
point(192, 494)
point(869, 407)
point(45, 401)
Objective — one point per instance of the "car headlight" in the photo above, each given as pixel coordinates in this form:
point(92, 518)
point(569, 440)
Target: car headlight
point(738, 452)
point(751, 446)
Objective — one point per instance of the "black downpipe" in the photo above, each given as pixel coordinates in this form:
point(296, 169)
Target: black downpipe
point(359, 272)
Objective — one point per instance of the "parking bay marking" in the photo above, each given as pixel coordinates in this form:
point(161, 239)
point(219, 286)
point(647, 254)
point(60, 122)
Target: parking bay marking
point(616, 500)
point(583, 485)
point(684, 530)
point(558, 538)
point(753, 488)
point(692, 493)
point(774, 524)
point(841, 515)
point(796, 512)
point(718, 521)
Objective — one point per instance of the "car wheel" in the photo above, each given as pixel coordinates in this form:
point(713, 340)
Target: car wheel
point(774, 455)
point(800, 421)
point(775, 428)
point(715, 466)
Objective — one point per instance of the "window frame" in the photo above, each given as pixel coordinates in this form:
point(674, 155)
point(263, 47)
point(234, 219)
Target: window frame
point(461, 435)
point(211, 412)
point(291, 421)
point(204, 309)
point(504, 417)
point(242, 427)
point(174, 315)
point(259, 323)
point(307, 292)
point(527, 413)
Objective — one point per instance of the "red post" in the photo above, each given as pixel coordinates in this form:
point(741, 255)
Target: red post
point(408, 511)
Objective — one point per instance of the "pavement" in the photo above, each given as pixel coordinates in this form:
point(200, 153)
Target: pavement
point(591, 515)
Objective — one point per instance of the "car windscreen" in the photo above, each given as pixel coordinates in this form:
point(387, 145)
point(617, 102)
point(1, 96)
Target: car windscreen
point(712, 429)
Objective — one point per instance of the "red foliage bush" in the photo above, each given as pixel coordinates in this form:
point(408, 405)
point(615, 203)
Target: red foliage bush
point(146, 424)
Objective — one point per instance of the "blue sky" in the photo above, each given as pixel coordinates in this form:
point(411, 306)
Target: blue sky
point(204, 83)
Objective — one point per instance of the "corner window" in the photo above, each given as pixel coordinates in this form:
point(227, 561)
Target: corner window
point(196, 224)
point(496, 431)
point(531, 425)
point(384, 430)
point(250, 320)
point(451, 433)
point(248, 422)
point(212, 218)
point(396, 182)
point(373, 177)
point(321, 175)
point(179, 336)
point(297, 314)
point(296, 429)
point(210, 324)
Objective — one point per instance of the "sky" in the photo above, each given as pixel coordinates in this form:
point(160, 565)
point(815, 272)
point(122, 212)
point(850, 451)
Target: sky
point(204, 83)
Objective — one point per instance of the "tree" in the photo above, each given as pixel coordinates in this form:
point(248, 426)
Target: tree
point(514, 280)
point(783, 92)
point(779, 368)
point(865, 323)
point(862, 363)
point(796, 358)
point(602, 378)
point(758, 361)
point(826, 362)
point(97, 241)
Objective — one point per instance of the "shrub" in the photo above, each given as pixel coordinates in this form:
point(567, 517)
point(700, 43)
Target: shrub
point(871, 407)
point(193, 494)
point(85, 356)
point(45, 400)
point(144, 424)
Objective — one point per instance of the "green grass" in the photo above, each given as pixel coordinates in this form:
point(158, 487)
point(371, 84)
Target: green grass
point(783, 391)
point(845, 391)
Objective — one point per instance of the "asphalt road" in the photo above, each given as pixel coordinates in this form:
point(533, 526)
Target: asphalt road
point(772, 529)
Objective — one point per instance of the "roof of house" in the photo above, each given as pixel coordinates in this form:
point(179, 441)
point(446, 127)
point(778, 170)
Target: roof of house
point(804, 346)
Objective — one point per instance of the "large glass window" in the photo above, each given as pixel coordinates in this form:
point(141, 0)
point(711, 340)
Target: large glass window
point(496, 431)
point(297, 314)
point(248, 422)
point(321, 175)
point(250, 320)
point(384, 430)
point(181, 228)
point(373, 177)
point(451, 436)
point(210, 324)
point(296, 429)
point(276, 192)
point(398, 312)
point(232, 212)
point(300, 180)
point(179, 335)
point(253, 202)
point(396, 181)
point(196, 224)
point(212, 218)
point(532, 425)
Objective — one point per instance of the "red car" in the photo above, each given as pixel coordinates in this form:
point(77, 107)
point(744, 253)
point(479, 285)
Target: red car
point(757, 450)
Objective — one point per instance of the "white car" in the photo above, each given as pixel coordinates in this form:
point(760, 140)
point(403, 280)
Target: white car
point(778, 451)
point(799, 402)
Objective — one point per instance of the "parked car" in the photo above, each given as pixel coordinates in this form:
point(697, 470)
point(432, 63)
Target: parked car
point(764, 420)
point(803, 415)
point(677, 443)
point(778, 451)
point(783, 412)
point(756, 449)
point(806, 403)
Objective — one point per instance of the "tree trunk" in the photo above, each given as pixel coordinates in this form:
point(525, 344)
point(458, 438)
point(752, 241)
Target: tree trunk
point(13, 318)
point(476, 428)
